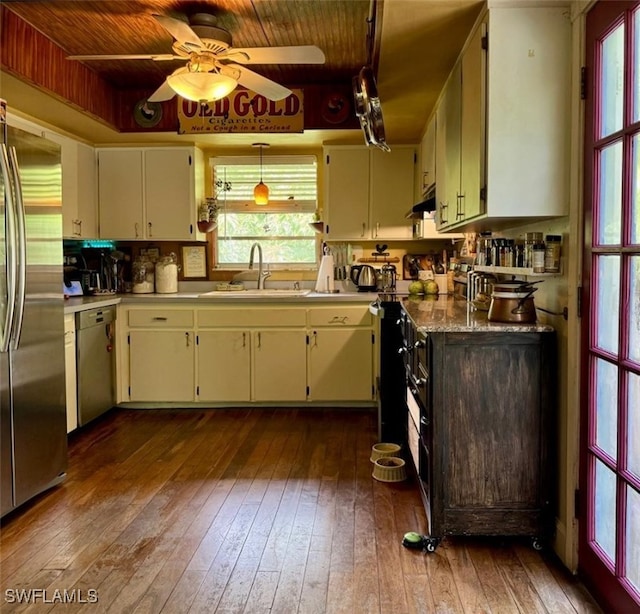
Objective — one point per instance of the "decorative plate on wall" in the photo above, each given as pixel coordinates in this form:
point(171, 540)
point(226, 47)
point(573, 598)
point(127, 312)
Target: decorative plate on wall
point(147, 114)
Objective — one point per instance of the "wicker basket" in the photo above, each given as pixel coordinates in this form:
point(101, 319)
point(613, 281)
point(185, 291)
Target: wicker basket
point(384, 449)
point(389, 469)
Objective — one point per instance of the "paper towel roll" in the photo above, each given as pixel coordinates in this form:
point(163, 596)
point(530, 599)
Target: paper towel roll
point(324, 283)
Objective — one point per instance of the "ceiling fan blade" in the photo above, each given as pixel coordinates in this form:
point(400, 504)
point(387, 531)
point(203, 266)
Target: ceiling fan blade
point(303, 54)
point(180, 30)
point(255, 82)
point(140, 56)
point(164, 92)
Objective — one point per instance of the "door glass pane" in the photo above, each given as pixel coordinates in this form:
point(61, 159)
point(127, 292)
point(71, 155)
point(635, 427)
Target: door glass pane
point(605, 509)
point(607, 298)
point(612, 80)
point(632, 537)
point(633, 424)
point(634, 222)
point(634, 309)
point(636, 64)
point(606, 399)
point(609, 206)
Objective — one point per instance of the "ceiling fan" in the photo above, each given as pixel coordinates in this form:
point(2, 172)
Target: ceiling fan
point(214, 68)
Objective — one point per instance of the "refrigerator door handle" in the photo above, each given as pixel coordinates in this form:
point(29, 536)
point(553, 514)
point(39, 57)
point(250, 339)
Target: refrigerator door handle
point(22, 251)
point(11, 241)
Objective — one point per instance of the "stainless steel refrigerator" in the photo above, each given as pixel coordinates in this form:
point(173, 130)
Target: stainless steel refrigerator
point(33, 439)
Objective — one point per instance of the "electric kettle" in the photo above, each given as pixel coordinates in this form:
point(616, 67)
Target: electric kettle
point(364, 276)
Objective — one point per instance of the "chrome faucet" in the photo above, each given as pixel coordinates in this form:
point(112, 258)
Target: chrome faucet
point(262, 275)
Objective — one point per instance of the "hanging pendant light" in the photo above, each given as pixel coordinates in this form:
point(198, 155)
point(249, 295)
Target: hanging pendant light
point(261, 191)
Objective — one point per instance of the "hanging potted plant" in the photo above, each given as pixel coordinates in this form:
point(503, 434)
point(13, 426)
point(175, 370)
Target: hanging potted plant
point(208, 215)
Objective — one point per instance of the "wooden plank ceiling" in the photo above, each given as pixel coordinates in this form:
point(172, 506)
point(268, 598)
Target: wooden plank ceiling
point(80, 27)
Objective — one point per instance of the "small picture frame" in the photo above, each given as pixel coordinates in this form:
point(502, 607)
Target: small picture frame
point(194, 261)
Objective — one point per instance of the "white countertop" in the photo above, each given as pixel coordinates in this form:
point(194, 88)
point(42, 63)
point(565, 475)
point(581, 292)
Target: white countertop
point(82, 303)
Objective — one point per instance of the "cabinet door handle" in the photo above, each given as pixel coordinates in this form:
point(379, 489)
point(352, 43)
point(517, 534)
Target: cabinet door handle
point(425, 421)
point(259, 340)
point(377, 229)
point(364, 227)
point(244, 340)
point(136, 230)
point(150, 229)
point(188, 339)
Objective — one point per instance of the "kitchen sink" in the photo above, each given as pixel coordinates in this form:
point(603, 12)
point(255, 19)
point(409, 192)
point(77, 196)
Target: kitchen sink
point(253, 292)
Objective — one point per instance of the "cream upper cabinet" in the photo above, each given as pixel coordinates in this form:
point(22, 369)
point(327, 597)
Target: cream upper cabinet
point(449, 120)
point(513, 157)
point(79, 194)
point(150, 193)
point(428, 156)
point(279, 365)
point(346, 206)
point(392, 192)
point(120, 193)
point(368, 192)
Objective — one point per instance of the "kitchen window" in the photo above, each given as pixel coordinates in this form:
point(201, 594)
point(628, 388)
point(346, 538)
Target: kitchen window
point(282, 226)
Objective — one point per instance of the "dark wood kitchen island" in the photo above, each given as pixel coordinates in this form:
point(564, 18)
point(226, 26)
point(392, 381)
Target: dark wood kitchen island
point(481, 420)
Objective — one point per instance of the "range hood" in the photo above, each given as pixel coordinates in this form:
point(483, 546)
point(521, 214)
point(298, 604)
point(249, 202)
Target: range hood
point(425, 206)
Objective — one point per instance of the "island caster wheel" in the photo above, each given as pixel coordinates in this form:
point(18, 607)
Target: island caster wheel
point(430, 544)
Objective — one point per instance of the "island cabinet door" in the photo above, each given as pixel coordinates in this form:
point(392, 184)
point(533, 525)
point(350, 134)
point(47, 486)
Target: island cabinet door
point(340, 365)
point(224, 366)
point(491, 434)
point(279, 365)
point(162, 365)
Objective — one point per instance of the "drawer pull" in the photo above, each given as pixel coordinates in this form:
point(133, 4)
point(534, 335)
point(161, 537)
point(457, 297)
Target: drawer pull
point(160, 319)
point(339, 320)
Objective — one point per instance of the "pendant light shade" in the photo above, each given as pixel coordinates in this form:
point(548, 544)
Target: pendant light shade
point(261, 191)
point(201, 86)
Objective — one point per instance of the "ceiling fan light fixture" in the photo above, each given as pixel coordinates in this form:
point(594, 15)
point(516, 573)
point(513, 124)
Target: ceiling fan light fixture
point(261, 191)
point(201, 86)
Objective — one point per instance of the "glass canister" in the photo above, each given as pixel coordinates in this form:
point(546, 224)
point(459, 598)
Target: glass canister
point(142, 273)
point(167, 274)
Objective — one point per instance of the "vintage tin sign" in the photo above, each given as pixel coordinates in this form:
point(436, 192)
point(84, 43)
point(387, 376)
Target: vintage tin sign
point(242, 111)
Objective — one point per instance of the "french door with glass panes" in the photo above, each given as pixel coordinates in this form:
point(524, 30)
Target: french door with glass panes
point(609, 544)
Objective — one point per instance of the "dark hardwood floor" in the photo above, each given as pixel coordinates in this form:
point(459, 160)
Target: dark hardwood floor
point(254, 511)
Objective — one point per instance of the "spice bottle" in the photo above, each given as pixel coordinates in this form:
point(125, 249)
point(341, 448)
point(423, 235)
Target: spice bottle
point(552, 254)
point(538, 251)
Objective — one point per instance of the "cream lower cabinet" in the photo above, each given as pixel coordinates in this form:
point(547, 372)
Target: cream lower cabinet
point(252, 354)
point(247, 354)
point(224, 365)
point(161, 355)
point(341, 354)
point(70, 371)
point(279, 365)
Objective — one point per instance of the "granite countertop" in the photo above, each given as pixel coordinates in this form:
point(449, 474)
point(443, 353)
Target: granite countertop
point(454, 314)
point(82, 303)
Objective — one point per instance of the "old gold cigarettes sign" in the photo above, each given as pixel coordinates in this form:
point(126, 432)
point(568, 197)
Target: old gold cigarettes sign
point(242, 111)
